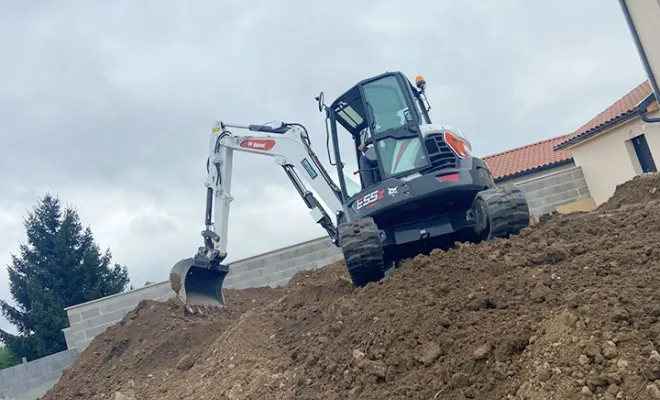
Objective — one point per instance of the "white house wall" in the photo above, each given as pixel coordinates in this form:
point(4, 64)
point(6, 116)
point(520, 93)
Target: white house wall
point(608, 159)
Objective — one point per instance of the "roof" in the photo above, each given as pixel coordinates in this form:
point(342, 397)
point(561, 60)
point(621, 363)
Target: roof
point(553, 152)
point(529, 158)
point(623, 109)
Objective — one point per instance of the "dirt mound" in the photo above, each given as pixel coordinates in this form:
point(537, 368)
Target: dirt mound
point(641, 189)
point(154, 337)
point(569, 309)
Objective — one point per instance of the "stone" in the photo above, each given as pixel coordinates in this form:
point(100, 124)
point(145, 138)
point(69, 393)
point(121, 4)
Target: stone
point(609, 350)
point(544, 375)
point(128, 395)
point(186, 362)
point(481, 352)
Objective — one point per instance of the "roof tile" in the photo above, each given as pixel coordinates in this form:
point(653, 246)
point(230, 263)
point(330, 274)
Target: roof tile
point(542, 154)
point(623, 106)
point(527, 158)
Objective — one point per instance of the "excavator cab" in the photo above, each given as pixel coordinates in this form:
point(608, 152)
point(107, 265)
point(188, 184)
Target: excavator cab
point(384, 114)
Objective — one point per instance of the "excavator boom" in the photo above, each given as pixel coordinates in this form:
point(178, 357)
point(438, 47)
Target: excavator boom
point(199, 279)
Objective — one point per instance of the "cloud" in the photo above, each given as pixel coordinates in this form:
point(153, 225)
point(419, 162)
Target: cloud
point(109, 105)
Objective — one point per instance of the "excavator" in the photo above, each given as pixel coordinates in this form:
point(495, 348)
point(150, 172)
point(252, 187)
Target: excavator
point(420, 186)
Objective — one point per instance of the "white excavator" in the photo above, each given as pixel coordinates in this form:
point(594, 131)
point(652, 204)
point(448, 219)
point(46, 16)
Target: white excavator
point(420, 187)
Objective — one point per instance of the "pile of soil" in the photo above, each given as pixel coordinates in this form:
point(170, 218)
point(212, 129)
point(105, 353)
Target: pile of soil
point(569, 309)
point(641, 189)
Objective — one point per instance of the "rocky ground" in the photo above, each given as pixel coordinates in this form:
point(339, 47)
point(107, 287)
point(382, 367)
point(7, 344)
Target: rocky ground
point(569, 309)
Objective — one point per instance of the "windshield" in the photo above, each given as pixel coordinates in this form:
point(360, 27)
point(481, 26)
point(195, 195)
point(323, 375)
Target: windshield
point(386, 102)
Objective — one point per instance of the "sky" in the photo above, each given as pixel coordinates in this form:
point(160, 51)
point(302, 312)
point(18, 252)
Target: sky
point(108, 105)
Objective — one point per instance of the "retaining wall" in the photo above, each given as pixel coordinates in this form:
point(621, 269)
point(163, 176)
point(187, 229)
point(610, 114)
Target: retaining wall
point(545, 193)
point(270, 269)
point(31, 380)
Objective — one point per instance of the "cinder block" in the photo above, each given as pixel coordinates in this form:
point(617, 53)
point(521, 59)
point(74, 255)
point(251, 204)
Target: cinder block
point(14, 392)
point(283, 274)
point(577, 173)
point(279, 283)
point(67, 332)
point(279, 266)
point(83, 345)
point(54, 376)
point(321, 245)
point(536, 203)
point(580, 182)
point(8, 373)
point(584, 191)
point(560, 197)
point(73, 316)
point(80, 326)
point(40, 362)
point(112, 317)
point(283, 256)
point(91, 313)
point(165, 296)
point(93, 332)
point(238, 269)
point(255, 264)
point(161, 291)
point(552, 190)
point(530, 187)
point(19, 370)
point(329, 260)
point(329, 252)
point(258, 282)
point(79, 336)
point(245, 275)
point(119, 303)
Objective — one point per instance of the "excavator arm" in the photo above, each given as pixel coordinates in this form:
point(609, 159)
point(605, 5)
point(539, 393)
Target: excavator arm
point(199, 279)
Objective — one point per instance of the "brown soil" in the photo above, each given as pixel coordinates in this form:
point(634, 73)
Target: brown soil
point(569, 309)
point(640, 189)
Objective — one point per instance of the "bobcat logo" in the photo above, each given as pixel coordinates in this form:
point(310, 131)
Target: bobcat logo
point(392, 191)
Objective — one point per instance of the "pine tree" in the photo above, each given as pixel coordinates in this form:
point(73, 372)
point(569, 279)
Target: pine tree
point(60, 266)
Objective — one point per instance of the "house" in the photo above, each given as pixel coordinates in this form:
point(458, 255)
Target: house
point(550, 179)
point(580, 170)
point(618, 144)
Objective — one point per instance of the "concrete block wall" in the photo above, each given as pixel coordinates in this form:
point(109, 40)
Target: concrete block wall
point(277, 267)
point(87, 320)
point(270, 269)
point(31, 380)
point(545, 193)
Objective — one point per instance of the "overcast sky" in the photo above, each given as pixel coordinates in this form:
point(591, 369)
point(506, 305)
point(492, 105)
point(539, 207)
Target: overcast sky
point(109, 105)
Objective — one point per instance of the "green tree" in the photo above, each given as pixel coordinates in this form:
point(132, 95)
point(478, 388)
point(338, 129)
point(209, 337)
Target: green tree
point(60, 266)
point(7, 358)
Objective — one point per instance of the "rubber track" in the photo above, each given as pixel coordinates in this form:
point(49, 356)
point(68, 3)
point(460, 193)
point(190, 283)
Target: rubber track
point(362, 251)
point(507, 210)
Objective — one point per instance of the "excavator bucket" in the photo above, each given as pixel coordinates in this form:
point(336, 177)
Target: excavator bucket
point(198, 284)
